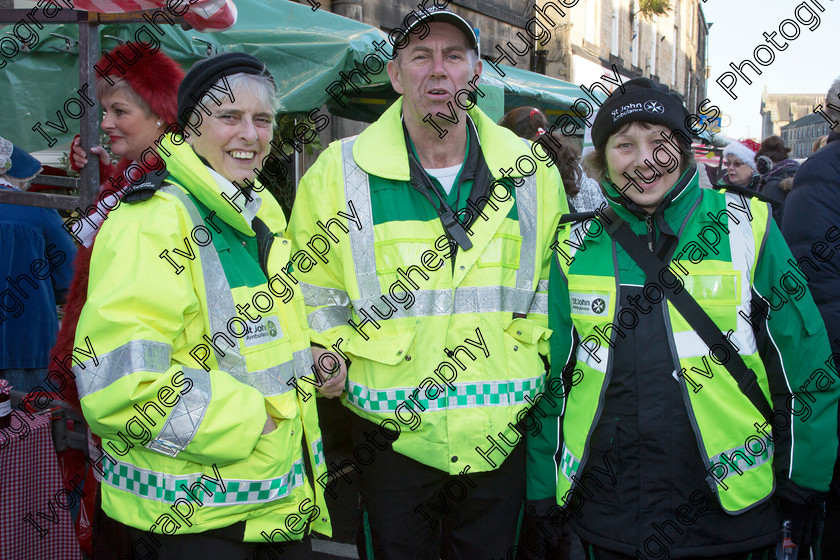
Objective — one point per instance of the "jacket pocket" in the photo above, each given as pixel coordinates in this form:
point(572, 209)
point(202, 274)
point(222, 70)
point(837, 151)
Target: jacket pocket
point(502, 251)
point(390, 349)
point(603, 462)
point(521, 341)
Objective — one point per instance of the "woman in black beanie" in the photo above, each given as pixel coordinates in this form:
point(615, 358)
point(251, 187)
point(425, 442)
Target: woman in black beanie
point(202, 390)
point(652, 450)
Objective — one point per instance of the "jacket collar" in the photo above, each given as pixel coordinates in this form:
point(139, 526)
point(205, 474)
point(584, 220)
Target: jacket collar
point(380, 149)
point(208, 187)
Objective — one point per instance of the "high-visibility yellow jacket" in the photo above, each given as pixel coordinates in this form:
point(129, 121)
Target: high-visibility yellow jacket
point(447, 353)
point(641, 416)
point(194, 344)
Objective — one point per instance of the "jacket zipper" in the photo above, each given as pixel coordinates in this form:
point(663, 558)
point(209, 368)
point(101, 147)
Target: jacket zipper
point(649, 222)
point(684, 391)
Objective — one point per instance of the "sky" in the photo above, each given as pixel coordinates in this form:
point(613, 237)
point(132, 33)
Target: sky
point(808, 65)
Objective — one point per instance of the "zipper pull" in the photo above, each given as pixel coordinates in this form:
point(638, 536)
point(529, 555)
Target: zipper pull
point(649, 222)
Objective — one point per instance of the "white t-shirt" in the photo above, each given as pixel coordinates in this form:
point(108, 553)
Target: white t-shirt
point(446, 176)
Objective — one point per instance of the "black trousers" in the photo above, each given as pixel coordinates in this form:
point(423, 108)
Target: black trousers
point(594, 553)
point(218, 544)
point(414, 512)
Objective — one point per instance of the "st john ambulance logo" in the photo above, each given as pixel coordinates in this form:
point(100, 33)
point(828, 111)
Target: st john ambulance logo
point(654, 106)
point(593, 305)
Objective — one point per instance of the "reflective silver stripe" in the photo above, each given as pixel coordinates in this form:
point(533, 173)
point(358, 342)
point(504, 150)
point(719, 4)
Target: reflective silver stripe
point(603, 354)
point(207, 490)
point(271, 381)
point(137, 355)
point(316, 296)
point(690, 345)
point(573, 239)
point(186, 416)
point(328, 317)
point(220, 309)
point(475, 394)
point(487, 299)
point(467, 299)
point(220, 305)
point(430, 303)
point(526, 209)
point(742, 458)
point(742, 249)
point(539, 304)
point(357, 191)
point(303, 363)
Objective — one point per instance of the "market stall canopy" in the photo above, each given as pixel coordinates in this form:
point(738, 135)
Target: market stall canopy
point(304, 49)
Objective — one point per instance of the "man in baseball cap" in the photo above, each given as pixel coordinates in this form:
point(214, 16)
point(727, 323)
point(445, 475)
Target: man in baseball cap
point(437, 298)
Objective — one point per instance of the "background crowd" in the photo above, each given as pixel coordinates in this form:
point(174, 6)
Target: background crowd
point(244, 411)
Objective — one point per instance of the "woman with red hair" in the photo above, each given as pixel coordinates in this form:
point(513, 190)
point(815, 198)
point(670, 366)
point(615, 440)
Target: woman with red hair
point(138, 92)
point(139, 96)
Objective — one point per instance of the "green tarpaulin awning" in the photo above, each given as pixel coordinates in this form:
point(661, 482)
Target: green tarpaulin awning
point(304, 49)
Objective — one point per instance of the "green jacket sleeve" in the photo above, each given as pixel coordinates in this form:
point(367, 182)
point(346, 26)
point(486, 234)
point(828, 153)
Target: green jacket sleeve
point(545, 420)
point(139, 384)
point(803, 382)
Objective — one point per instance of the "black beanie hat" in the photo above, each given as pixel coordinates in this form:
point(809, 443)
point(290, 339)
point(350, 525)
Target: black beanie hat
point(207, 72)
point(641, 99)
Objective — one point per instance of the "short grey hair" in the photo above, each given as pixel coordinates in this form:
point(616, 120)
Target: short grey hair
point(259, 85)
point(833, 97)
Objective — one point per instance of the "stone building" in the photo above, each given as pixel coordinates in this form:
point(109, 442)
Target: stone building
point(779, 109)
point(499, 21)
point(801, 134)
point(593, 35)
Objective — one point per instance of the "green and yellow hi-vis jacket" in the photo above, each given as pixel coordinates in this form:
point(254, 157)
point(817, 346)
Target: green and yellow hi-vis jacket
point(730, 254)
point(445, 345)
point(194, 347)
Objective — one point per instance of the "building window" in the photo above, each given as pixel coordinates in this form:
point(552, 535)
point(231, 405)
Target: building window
point(654, 43)
point(634, 44)
point(590, 25)
point(616, 28)
point(674, 57)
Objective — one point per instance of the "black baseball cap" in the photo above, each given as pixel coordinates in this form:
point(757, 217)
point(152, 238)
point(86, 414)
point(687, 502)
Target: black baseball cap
point(446, 16)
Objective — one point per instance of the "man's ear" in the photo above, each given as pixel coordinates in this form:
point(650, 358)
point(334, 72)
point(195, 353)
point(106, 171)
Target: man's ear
point(479, 68)
point(394, 75)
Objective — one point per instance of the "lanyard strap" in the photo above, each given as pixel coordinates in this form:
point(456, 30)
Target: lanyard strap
point(691, 311)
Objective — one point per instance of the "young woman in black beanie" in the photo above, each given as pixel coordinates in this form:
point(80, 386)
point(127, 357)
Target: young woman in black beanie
point(646, 444)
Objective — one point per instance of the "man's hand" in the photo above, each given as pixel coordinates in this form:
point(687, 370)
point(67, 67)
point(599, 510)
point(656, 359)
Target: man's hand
point(331, 369)
point(80, 157)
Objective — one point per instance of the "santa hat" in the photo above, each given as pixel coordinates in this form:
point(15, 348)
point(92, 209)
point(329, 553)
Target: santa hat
point(744, 150)
point(153, 75)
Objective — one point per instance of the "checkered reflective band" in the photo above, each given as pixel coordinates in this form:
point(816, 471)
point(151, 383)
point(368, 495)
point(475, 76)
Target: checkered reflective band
point(318, 451)
point(465, 395)
point(168, 488)
point(569, 464)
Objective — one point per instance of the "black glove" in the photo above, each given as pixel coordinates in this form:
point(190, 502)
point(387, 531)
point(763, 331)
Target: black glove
point(806, 520)
point(544, 535)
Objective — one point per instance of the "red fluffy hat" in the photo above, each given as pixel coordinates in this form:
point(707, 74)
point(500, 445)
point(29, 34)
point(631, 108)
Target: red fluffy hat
point(153, 75)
